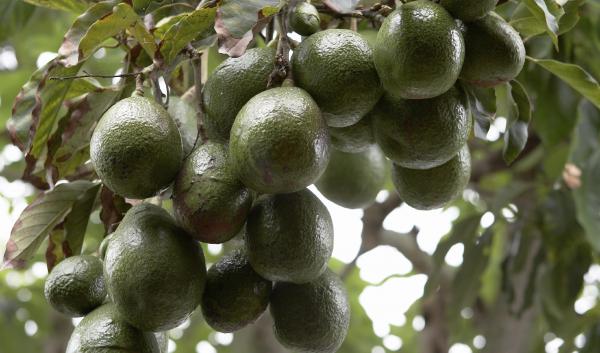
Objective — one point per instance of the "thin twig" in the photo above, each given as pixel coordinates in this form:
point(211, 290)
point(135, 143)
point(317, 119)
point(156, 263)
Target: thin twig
point(87, 75)
point(197, 65)
point(282, 64)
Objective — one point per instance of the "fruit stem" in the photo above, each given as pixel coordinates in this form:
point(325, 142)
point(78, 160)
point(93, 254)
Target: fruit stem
point(197, 65)
point(282, 63)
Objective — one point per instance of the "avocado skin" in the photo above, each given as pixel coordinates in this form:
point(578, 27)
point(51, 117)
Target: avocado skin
point(336, 68)
point(208, 200)
point(155, 272)
point(469, 10)
point(186, 118)
point(419, 51)
point(433, 188)
point(289, 237)
point(312, 317)
point(354, 138)
point(279, 141)
point(425, 133)
point(305, 19)
point(495, 52)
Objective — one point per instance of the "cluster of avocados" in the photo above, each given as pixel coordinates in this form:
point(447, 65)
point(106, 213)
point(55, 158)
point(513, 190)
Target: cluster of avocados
point(350, 109)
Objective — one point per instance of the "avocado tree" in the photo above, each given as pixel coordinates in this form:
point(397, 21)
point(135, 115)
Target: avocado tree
point(154, 129)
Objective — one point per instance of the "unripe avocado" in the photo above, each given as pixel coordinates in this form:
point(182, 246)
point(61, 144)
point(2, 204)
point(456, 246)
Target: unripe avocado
point(494, 52)
point(184, 115)
point(336, 68)
point(305, 19)
point(154, 270)
point(427, 189)
point(231, 85)
point(312, 317)
point(279, 141)
point(75, 286)
point(425, 133)
point(105, 331)
point(289, 237)
point(103, 246)
point(208, 199)
point(354, 138)
point(469, 10)
point(235, 295)
point(353, 180)
point(136, 148)
point(419, 51)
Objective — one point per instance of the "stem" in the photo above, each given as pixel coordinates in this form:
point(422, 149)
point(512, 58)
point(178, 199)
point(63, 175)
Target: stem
point(86, 75)
point(197, 65)
point(282, 64)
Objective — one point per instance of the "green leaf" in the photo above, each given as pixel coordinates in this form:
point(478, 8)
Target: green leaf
point(145, 38)
point(238, 21)
point(184, 29)
point(574, 76)
point(540, 11)
point(40, 218)
point(341, 6)
point(14, 15)
point(76, 6)
point(76, 222)
point(587, 134)
point(515, 137)
point(482, 111)
point(587, 200)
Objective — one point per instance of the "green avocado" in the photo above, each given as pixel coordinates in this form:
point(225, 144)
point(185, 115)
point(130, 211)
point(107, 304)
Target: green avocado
point(353, 180)
point(305, 19)
point(154, 270)
point(312, 317)
point(494, 52)
point(184, 115)
point(336, 68)
point(231, 85)
point(103, 246)
point(235, 295)
point(279, 141)
point(208, 200)
point(126, 136)
point(424, 133)
point(105, 331)
point(354, 138)
point(419, 51)
point(289, 237)
point(427, 189)
point(469, 10)
point(75, 286)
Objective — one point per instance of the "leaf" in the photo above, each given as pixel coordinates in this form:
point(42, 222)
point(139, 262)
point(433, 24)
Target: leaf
point(515, 138)
point(183, 30)
point(76, 6)
point(482, 116)
point(587, 134)
point(40, 218)
point(14, 15)
point(587, 200)
point(540, 11)
point(571, 16)
point(113, 209)
point(574, 76)
point(238, 21)
point(76, 222)
point(146, 40)
point(341, 6)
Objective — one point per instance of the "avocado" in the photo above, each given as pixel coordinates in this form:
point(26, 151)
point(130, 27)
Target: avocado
point(186, 118)
point(468, 10)
point(305, 19)
point(354, 138)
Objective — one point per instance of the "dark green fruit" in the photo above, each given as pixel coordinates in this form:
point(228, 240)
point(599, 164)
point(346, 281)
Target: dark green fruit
point(231, 85)
point(235, 295)
point(354, 138)
point(208, 199)
point(352, 180)
point(155, 272)
point(136, 148)
point(184, 115)
point(422, 134)
point(469, 10)
point(75, 286)
point(289, 237)
point(312, 317)
point(336, 67)
point(494, 52)
point(105, 331)
point(432, 188)
point(279, 141)
point(419, 51)
point(305, 19)
point(103, 246)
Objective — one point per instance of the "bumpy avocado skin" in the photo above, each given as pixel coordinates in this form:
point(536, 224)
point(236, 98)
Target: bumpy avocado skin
point(75, 286)
point(419, 51)
point(105, 331)
point(469, 10)
point(208, 200)
point(336, 68)
point(312, 317)
point(425, 133)
point(136, 148)
point(231, 85)
point(289, 237)
point(155, 272)
point(432, 188)
point(353, 180)
point(354, 138)
point(305, 19)
point(235, 295)
point(184, 115)
point(495, 52)
point(279, 141)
